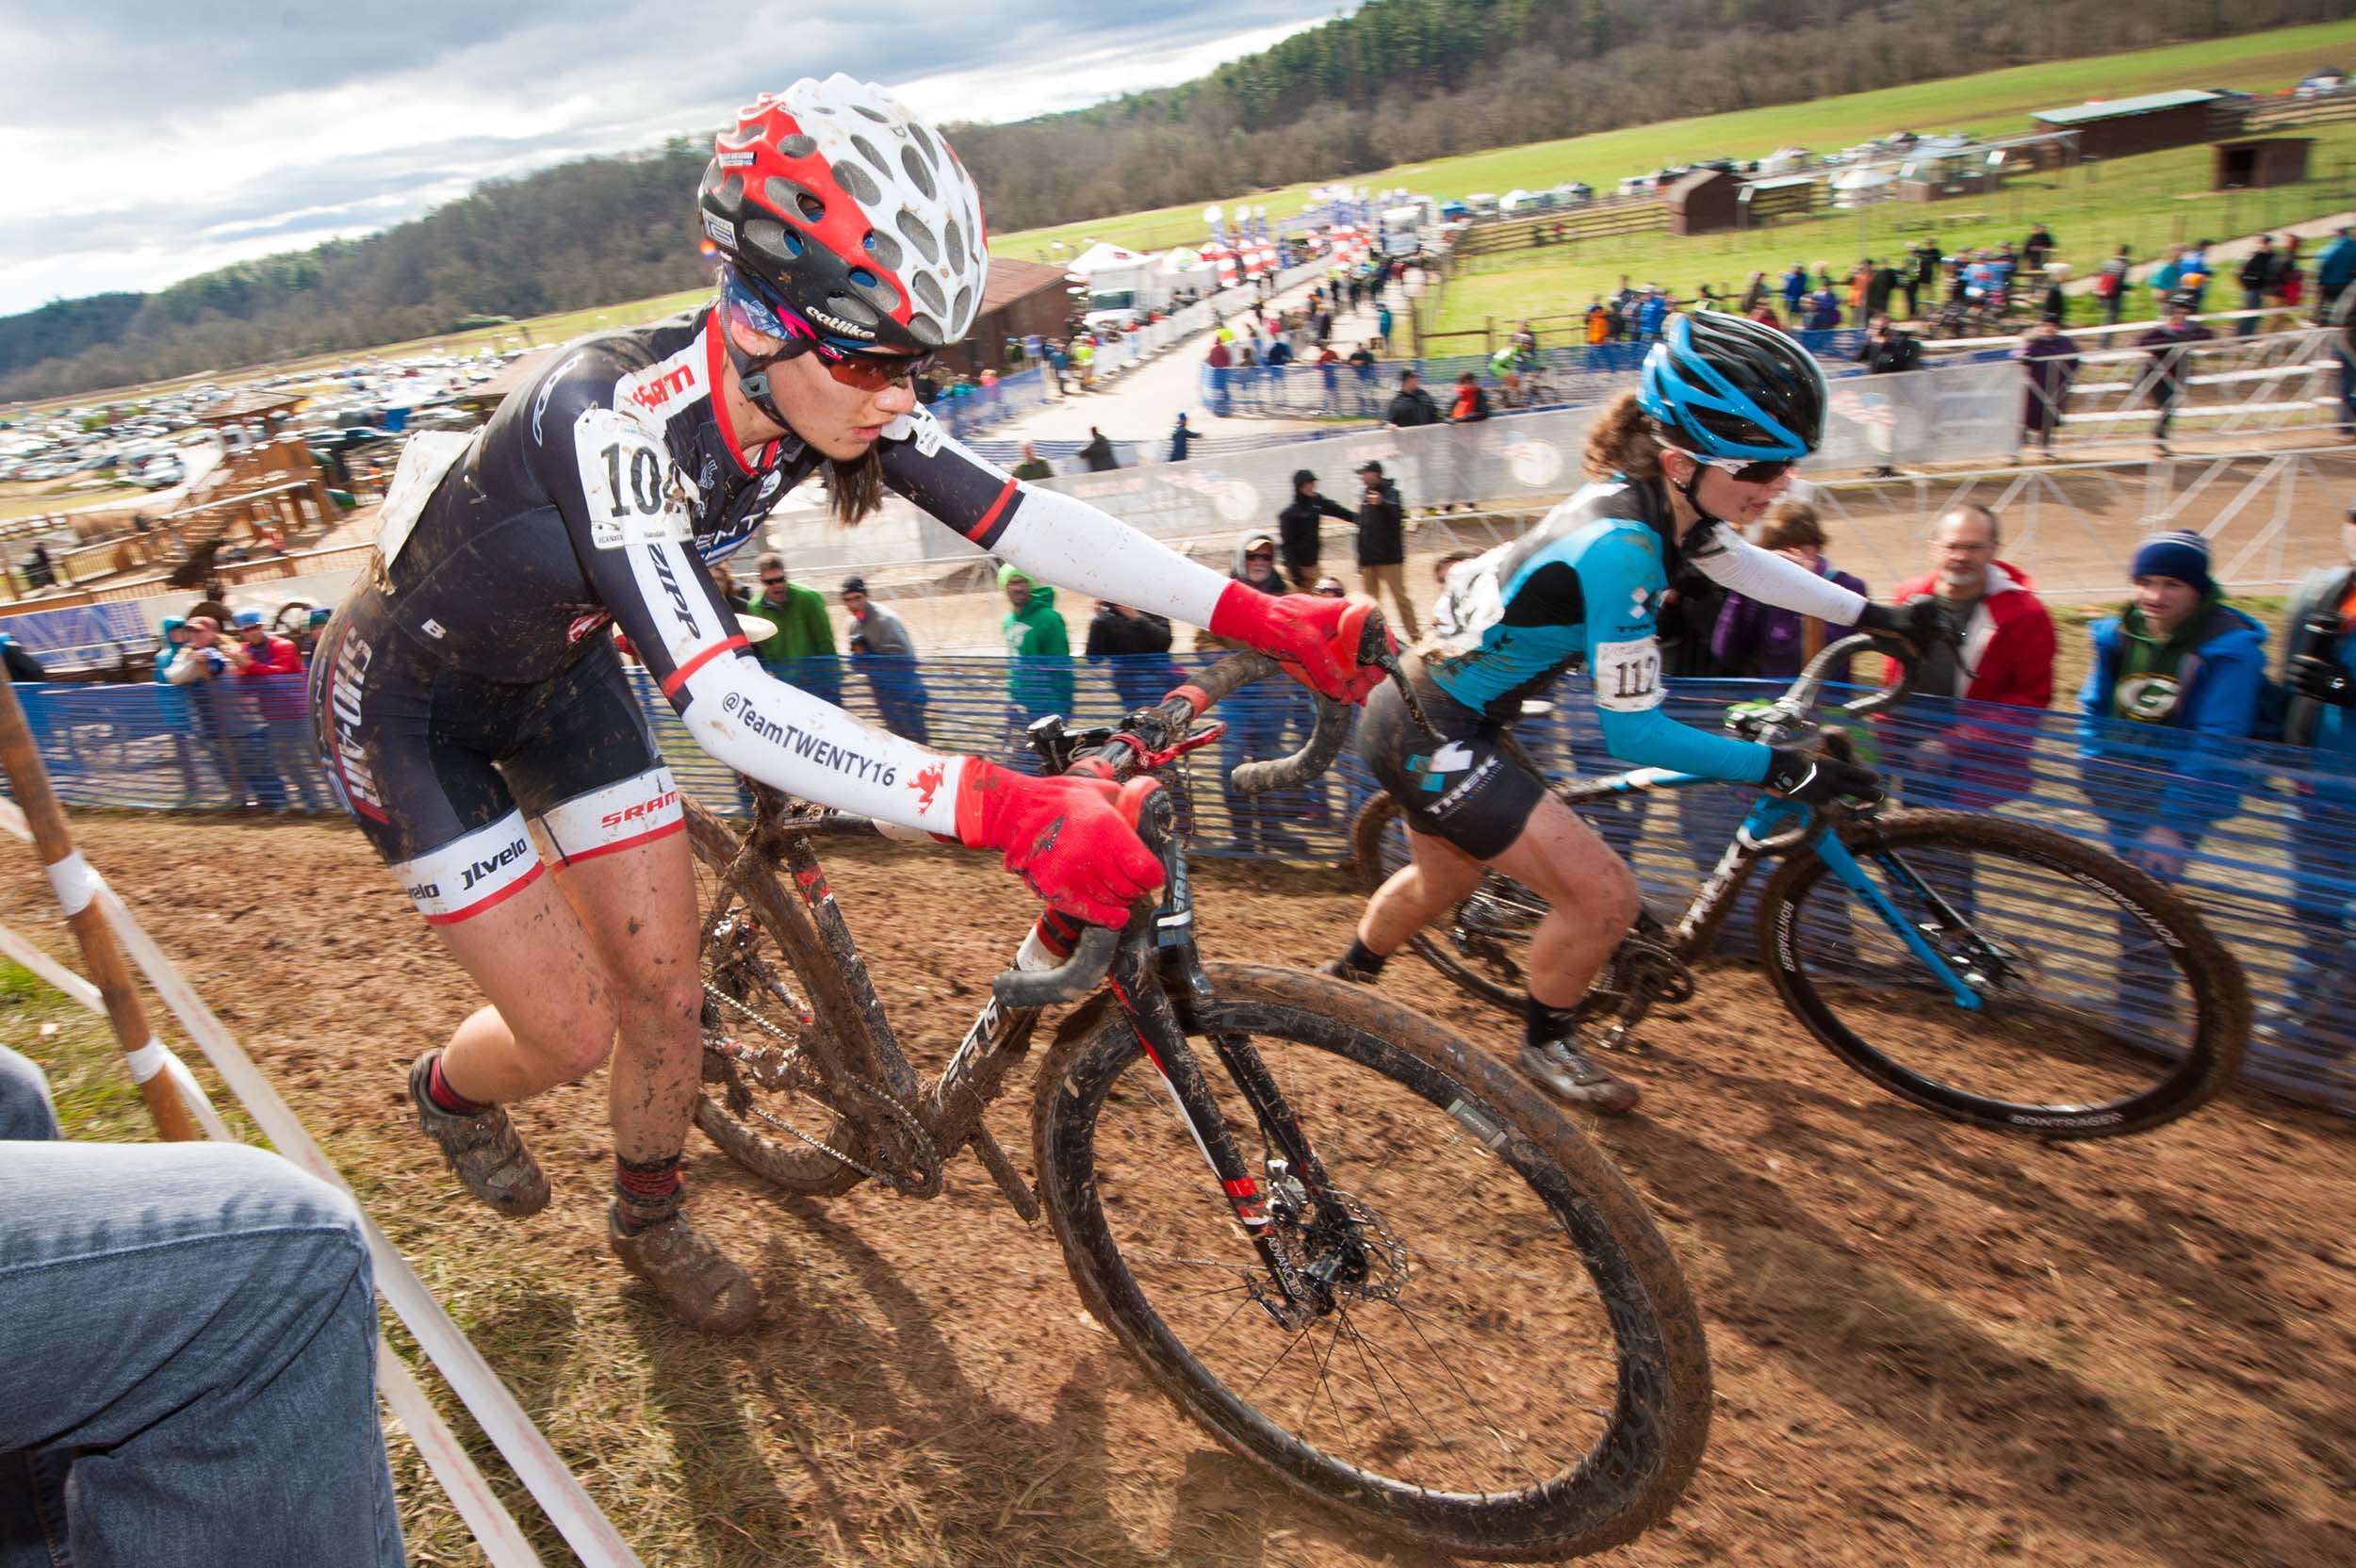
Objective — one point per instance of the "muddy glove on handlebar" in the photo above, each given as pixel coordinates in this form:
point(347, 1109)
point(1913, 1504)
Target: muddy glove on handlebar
point(1917, 623)
point(1316, 639)
point(1073, 840)
point(1814, 779)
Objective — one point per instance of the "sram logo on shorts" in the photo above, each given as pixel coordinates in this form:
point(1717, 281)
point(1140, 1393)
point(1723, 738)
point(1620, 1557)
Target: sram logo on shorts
point(639, 811)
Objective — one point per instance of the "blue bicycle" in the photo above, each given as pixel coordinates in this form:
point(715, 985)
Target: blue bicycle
point(1993, 970)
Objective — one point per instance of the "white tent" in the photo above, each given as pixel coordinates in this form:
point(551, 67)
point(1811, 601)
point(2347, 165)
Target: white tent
point(1854, 188)
point(1100, 258)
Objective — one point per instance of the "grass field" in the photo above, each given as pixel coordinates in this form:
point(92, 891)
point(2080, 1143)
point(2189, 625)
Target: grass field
point(2146, 202)
point(1990, 102)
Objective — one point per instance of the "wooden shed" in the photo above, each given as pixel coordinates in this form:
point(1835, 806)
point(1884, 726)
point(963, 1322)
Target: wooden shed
point(2262, 161)
point(1021, 298)
point(2123, 127)
point(1708, 201)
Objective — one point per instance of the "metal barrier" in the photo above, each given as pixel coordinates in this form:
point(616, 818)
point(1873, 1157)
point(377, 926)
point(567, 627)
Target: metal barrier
point(2272, 829)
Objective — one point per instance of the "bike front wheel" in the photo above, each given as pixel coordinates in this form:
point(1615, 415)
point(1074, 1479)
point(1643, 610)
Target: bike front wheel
point(1507, 1363)
point(2082, 998)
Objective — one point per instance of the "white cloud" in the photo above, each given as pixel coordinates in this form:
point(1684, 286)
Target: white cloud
point(147, 141)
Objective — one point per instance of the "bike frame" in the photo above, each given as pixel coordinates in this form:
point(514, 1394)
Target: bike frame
point(1157, 979)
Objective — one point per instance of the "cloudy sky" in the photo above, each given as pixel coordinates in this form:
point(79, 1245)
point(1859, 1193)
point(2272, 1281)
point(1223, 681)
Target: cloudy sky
point(146, 140)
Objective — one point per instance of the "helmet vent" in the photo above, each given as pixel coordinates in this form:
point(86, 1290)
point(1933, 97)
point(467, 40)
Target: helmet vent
point(797, 146)
point(919, 176)
point(919, 235)
point(876, 159)
point(934, 299)
point(860, 183)
point(955, 245)
point(885, 249)
point(851, 309)
point(964, 307)
point(872, 114)
point(932, 155)
point(926, 331)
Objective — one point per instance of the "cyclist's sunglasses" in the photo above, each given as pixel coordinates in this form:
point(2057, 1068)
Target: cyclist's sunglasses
point(1745, 473)
point(865, 372)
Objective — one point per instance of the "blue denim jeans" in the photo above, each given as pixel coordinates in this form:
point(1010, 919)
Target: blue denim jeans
point(189, 1338)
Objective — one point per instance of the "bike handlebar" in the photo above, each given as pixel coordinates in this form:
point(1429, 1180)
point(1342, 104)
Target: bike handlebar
point(1092, 955)
point(1069, 981)
point(1799, 699)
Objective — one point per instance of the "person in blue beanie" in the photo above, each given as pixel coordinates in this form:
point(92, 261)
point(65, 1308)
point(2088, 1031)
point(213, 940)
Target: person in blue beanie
point(2177, 677)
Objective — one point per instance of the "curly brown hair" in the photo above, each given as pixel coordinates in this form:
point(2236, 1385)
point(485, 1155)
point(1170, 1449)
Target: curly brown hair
point(1621, 441)
point(1791, 523)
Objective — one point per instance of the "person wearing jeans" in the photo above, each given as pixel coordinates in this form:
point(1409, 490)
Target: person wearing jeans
point(189, 1331)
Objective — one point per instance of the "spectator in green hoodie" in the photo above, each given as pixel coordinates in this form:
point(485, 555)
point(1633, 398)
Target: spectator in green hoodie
point(1038, 681)
point(801, 649)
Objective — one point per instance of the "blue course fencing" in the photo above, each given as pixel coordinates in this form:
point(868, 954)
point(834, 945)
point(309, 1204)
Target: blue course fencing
point(2267, 833)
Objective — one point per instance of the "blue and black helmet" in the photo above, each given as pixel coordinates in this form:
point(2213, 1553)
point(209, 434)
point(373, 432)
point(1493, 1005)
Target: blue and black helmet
point(1723, 385)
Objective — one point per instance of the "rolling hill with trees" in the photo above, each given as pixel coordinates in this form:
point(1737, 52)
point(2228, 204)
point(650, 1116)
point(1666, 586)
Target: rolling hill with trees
point(1395, 81)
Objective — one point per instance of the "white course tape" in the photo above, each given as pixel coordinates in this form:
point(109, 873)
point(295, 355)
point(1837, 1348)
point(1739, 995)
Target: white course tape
point(75, 883)
point(148, 1060)
point(495, 1529)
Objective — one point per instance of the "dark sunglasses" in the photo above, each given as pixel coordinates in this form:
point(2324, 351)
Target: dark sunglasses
point(1746, 473)
point(865, 372)
point(773, 583)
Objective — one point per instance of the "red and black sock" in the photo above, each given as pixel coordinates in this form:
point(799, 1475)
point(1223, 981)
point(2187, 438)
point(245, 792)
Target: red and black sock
point(445, 1098)
point(649, 1191)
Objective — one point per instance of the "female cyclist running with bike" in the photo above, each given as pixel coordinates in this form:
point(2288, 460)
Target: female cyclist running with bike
point(469, 681)
point(1727, 407)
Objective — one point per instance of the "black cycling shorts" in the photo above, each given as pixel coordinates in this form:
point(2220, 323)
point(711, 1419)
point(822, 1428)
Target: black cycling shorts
point(1464, 788)
point(441, 768)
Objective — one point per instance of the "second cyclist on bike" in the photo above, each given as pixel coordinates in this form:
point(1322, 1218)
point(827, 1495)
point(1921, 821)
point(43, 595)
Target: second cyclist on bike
point(1727, 407)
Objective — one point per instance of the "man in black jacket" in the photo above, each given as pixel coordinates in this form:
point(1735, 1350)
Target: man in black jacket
point(1098, 453)
point(1382, 545)
point(1412, 406)
point(1297, 528)
point(2258, 279)
point(1129, 637)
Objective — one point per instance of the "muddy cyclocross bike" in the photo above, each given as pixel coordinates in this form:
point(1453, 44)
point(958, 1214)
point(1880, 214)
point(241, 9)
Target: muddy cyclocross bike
point(1990, 970)
point(1357, 1250)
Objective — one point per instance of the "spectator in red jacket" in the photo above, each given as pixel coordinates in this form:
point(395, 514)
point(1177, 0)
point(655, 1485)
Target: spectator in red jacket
point(281, 750)
point(2003, 653)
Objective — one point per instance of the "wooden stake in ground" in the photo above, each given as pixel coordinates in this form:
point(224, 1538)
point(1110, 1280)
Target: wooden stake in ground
point(78, 890)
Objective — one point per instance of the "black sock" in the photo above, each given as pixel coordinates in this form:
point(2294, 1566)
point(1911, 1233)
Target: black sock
point(1364, 959)
point(1543, 1025)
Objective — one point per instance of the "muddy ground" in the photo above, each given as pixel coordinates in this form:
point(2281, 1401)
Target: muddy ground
point(1931, 1344)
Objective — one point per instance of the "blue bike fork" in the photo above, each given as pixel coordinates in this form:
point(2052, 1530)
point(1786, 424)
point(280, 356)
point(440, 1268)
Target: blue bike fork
point(1771, 817)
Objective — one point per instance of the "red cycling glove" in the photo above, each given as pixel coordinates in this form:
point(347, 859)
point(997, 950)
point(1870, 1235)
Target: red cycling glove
point(1073, 841)
point(1314, 638)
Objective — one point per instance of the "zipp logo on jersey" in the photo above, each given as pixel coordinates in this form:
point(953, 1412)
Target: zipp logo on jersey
point(677, 595)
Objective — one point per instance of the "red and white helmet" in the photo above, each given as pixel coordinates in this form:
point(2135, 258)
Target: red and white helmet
point(851, 214)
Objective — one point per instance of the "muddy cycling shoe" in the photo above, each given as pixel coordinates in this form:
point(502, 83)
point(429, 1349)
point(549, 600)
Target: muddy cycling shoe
point(695, 1279)
point(485, 1149)
point(1566, 1071)
point(1342, 969)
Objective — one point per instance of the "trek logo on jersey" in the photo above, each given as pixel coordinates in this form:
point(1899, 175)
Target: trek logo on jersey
point(671, 588)
point(639, 810)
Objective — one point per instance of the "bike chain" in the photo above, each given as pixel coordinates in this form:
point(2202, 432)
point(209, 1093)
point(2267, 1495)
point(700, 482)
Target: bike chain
point(919, 1152)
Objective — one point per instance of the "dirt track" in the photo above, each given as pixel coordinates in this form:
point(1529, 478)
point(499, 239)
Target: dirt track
point(1931, 1344)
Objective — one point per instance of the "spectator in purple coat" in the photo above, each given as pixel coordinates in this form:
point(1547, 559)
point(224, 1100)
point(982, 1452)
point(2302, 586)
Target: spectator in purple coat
point(1758, 641)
